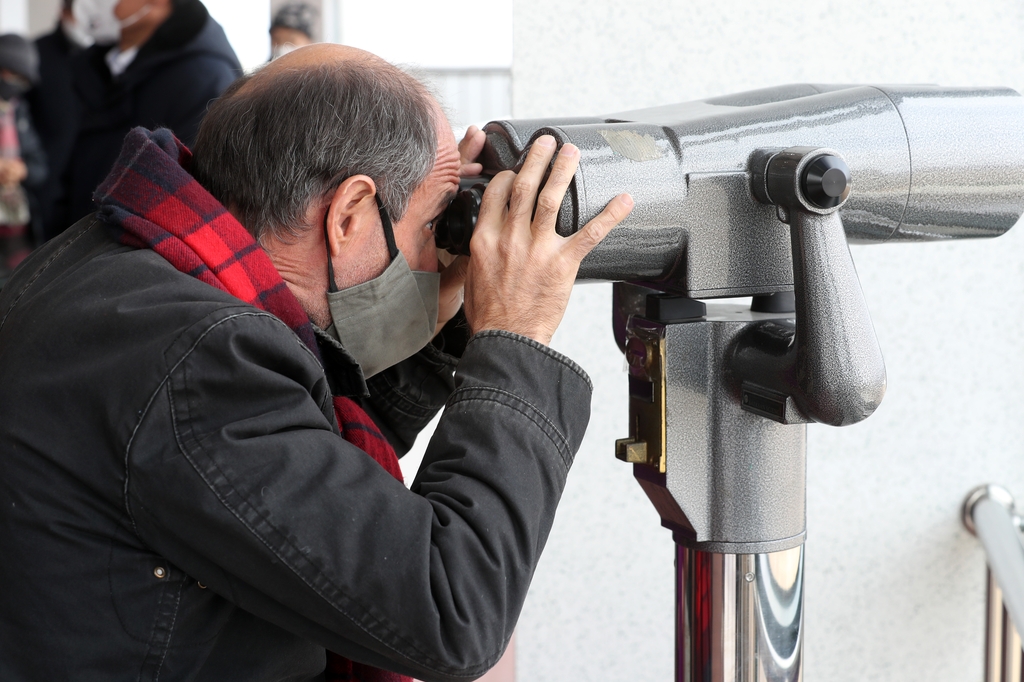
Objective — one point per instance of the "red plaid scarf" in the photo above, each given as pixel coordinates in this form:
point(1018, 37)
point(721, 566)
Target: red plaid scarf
point(155, 204)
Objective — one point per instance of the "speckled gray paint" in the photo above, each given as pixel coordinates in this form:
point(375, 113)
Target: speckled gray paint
point(894, 586)
point(928, 162)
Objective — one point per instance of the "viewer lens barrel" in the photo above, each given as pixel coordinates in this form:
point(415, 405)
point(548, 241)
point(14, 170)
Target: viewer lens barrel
point(455, 227)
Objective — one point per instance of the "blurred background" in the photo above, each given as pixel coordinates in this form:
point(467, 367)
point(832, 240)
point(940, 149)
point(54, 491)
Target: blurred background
point(463, 51)
point(894, 584)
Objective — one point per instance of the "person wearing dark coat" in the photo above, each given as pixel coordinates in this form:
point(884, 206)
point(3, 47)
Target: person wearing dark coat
point(167, 80)
point(55, 114)
point(23, 170)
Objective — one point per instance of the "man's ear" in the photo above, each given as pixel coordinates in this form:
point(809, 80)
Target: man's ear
point(352, 211)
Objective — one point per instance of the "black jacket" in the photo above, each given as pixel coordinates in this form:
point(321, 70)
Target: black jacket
point(176, 502)
point(185, 65)
point(55, 115)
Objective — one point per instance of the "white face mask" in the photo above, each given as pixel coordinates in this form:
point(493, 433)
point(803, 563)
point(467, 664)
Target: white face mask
point(75, 34)
point(97, 19)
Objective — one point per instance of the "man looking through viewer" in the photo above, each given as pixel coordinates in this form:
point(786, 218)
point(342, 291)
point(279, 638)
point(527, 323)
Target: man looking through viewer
point(198, 473)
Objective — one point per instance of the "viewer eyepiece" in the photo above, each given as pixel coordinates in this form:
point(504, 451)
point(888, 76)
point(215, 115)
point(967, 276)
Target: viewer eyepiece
point(455, 227)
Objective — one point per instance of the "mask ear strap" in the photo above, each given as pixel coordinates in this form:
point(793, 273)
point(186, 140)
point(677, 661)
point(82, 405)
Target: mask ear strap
point(389, 231)
point(389, 237)
point(331, 286)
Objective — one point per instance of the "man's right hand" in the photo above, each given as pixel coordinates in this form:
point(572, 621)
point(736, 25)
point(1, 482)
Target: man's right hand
point(521, 272)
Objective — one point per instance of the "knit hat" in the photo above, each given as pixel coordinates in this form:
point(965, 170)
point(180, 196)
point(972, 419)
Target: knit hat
point(20, 56)
point(295, 15)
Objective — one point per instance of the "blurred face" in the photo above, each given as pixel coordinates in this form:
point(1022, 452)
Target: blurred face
point(142, 14)
point(126, 8)
point(281, 38)
point(414, 233)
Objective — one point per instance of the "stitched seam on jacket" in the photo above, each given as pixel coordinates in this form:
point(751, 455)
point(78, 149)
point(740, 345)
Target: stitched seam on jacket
point(439, 666)
point(40, 271)
point(489, 394)
point(156, 391)
point(537, 345)
point(170, 631)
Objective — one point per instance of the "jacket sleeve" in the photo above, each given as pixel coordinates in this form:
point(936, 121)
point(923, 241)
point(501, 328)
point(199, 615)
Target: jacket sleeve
point(236, 475)
point(404, 398)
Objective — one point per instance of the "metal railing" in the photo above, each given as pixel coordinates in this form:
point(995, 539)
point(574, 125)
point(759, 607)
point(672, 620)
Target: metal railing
point(990, 513)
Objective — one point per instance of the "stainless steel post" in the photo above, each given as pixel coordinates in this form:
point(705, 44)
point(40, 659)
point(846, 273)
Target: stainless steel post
point(989, 513)
point(1004, 657)
point(739, 617)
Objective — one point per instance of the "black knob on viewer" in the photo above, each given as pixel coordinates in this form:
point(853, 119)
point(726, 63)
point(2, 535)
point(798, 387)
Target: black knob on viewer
point(826, 181)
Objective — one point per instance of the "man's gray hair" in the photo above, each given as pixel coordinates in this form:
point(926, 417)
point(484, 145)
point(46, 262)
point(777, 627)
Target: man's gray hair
point(272, 147)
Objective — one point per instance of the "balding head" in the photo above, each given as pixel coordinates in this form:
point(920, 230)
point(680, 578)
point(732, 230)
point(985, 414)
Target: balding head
point(280, 141)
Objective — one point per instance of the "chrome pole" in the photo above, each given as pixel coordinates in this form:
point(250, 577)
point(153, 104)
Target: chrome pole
point(739, 617)
point(989, 513)
point(1004, 656)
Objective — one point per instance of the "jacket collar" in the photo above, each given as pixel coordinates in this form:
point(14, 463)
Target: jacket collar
point(344, 375)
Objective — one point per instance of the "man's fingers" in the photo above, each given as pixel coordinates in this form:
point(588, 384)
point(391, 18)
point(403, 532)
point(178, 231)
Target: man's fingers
point(492, 207)
point(597, 229)
point(468, 170)
point(450, 291)
point(454, 275)
point(471, 146)
point(550, 198)
point(524, 190)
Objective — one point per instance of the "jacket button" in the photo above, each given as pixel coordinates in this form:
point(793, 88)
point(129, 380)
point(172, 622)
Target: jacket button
point(160, 572)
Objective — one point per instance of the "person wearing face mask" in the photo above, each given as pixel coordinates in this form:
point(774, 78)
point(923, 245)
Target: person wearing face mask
point(291, 28)
point(207, 386)
point(23, 168)
point(56, 110)
point(155, 63)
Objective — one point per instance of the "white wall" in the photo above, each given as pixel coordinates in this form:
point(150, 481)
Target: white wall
point(894, 585)
point(436, 34)
point(247, 25)
point(42, 16)
point(14, 16)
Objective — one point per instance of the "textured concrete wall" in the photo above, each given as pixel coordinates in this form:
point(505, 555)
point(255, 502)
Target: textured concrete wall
point(894, 585)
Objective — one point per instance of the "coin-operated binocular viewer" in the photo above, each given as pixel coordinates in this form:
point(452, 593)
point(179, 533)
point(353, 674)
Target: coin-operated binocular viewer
point(757, 194)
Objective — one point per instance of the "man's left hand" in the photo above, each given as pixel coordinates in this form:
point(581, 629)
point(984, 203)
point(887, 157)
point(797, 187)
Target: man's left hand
point(469, 151)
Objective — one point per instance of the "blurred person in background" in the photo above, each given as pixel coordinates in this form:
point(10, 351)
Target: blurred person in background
point(291, 28)
point(22, 160)
point(156, 63)
point(56, 111)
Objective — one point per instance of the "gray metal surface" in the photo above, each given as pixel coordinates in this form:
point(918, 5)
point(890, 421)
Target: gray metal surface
point(838, 375)
point(734, 481)
point(737, 385)
point(739, 618)
point(928, 163)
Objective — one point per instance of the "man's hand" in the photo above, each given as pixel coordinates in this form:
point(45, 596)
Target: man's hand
point(469, 150)
point(450, 294)
point(521, 273)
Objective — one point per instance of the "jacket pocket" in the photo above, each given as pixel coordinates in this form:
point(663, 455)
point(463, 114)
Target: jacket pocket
point(158, 605)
